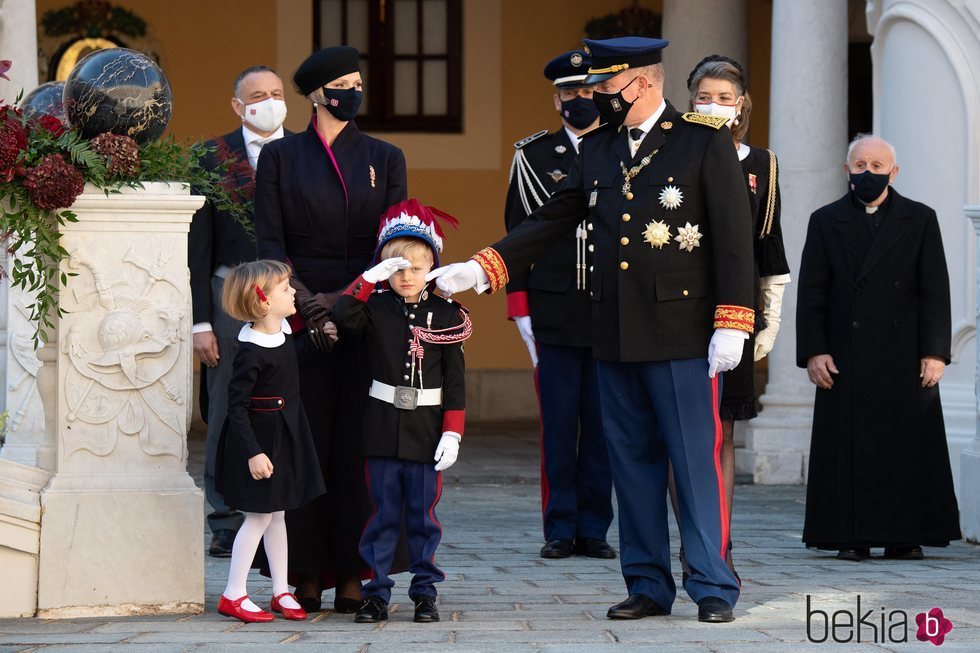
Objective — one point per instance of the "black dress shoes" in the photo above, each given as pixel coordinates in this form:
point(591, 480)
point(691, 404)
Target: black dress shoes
point(344, 605)
point(557, 549)
point(311, 603)
point(373, 610)
point(222, 541)
point(854, 555)
point(713, 610)
point(591, 548)
point(425, 610)
point(636, 606)
point(904, 553)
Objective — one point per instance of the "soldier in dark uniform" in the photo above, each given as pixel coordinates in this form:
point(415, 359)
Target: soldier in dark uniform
point(217, 243)
point(672, 305)
point(416, 409)
point(576, 485)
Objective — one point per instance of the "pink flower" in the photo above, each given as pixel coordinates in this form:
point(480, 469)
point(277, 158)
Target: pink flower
point(932, 626)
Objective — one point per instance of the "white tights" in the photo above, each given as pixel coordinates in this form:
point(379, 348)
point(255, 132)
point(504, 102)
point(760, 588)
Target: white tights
point(270, 527)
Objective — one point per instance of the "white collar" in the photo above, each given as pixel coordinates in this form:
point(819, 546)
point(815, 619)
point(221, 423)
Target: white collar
point(268, 340)
point(648, 124)
point(573, 137)
point(251, 136)
point(743, 151)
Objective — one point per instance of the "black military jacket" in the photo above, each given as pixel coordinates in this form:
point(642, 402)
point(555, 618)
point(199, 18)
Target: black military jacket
point(654, 298)
point(383, 323)
point(555, 287)
point(304, 215)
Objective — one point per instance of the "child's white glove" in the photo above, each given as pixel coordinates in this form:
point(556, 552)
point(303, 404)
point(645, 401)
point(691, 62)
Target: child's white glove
point(385, 269)
point(447, 451)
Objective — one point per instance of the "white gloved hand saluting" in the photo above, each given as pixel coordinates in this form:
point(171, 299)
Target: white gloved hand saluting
point(772, 295)
point(457, 277)
point(524, 328)
point(725, 350)
point(385, 269)
point(448, 450)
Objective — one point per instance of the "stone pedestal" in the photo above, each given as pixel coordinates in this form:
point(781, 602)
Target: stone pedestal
point(969, 487)
point(20, 537)
point(122, 519)
point(811, 145)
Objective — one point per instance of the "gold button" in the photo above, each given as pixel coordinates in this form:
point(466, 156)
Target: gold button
point(685, 293)
point(670, 179)
point(624, 241)
point(626, 217)
point(624, 266)
point(629, 195)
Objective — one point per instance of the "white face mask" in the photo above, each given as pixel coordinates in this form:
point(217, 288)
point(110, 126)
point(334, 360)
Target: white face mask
point(719, 110)
point(265, 116)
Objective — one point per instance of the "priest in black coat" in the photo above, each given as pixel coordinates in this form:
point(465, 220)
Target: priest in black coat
point(873, 331)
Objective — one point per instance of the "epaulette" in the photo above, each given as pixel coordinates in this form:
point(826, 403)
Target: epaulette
point(530, 139)
point(595, 130)
point(715, 122)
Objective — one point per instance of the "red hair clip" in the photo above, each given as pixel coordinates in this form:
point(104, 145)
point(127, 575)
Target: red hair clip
point(258, 291)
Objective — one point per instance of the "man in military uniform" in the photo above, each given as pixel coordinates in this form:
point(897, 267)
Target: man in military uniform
point(671, 297)
point(576, 484)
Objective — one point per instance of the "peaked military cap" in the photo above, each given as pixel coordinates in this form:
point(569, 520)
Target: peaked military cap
point(569, 70)
point(612, 56)
point(324, 66)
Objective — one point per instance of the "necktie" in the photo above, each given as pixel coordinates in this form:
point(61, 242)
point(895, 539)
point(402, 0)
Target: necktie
point(636, 135)
point(253, 156)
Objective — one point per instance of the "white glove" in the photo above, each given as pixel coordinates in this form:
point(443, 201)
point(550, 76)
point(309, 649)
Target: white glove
point(385, 269)
point(448, 450)
point(524, 328)
point(457, 277)
point(725, 350)
point(772, 296)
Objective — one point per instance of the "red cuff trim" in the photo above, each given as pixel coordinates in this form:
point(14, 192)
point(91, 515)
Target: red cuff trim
point(360, 289)
point(493, 264)
point(735, 317)
point(517, 304)
point(296, 323)
point(453, 420)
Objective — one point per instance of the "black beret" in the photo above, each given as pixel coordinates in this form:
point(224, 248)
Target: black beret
point(324, 66)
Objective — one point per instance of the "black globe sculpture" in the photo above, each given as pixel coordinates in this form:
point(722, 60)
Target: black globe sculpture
point(45, 99)
point(121, 91)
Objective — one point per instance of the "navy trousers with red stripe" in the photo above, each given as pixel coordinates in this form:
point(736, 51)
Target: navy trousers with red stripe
point(402, 489)
point(656, 412)
point(576, 484)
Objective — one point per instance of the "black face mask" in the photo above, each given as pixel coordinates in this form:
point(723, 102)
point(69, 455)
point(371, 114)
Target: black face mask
point(612, 107)
point(342, 103)
point(579, 112)
point(868, 186)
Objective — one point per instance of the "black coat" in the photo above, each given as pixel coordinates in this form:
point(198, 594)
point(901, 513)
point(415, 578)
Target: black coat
point(383, 323)
point(301, 213)
point(652, 304)
point(878, 303)
point(265, 415)
point(215, 237)
point(561, 313)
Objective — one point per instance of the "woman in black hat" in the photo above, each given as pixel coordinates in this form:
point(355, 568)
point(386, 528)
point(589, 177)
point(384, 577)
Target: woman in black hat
point(318, 200)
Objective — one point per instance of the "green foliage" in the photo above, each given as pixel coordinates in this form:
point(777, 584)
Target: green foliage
point(631, 21)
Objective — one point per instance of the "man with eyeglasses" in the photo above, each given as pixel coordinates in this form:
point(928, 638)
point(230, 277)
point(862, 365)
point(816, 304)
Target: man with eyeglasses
point(671, 291)
point(550, 305)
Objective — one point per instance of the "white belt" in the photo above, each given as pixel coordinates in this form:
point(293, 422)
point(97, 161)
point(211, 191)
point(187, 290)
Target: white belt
point(404, 396)
point(222, 271)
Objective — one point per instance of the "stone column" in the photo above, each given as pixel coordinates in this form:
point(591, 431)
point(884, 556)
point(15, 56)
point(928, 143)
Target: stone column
point(121, 519)
point(695, 30)
point(969, 488)
point(808, 133)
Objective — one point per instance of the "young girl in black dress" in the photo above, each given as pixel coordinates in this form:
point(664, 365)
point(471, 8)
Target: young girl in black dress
point(267, 462)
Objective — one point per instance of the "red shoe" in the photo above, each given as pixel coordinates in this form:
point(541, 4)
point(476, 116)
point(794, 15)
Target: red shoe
point(293, 614)
point(234, 609)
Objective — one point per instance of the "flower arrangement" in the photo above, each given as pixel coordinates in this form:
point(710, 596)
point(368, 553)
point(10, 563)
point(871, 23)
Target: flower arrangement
point(44, 167)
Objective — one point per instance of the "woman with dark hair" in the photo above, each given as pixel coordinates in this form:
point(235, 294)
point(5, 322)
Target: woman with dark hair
point(718, 87)
point(319, 196)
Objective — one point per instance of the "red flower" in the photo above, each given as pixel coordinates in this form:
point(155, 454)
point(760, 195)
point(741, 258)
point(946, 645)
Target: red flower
point(49, 123)
point(121, 153)
point(13, 139)
point(53, 183)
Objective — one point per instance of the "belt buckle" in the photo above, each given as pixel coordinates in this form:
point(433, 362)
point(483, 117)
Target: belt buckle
point(406, 397)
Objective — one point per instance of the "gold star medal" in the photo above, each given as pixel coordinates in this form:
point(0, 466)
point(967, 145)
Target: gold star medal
point(689, 237)
point(657, 234)
point(671, 197)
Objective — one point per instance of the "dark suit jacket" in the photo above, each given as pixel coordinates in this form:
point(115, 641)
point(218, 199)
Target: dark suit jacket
point(648, 303)
point(304, 215)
